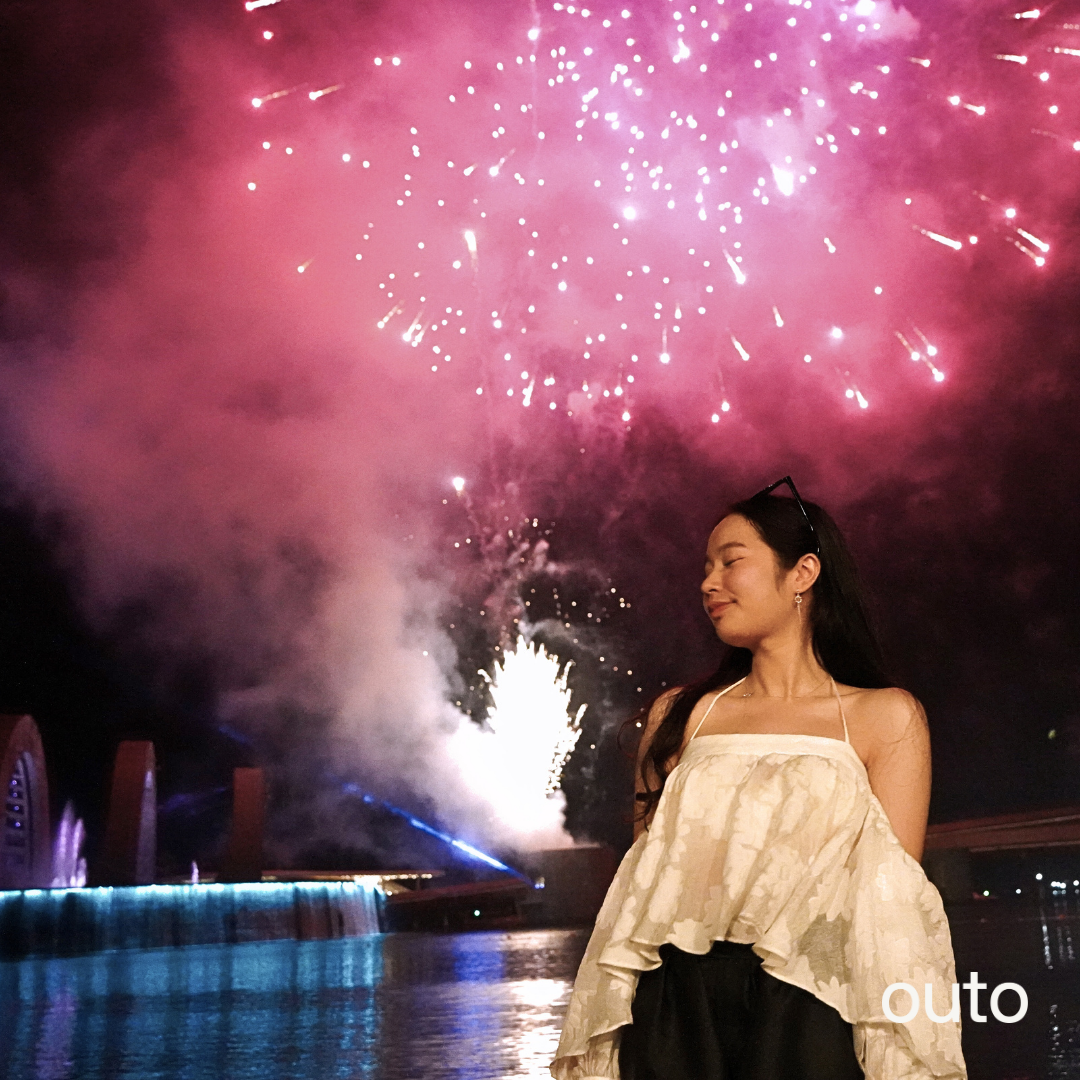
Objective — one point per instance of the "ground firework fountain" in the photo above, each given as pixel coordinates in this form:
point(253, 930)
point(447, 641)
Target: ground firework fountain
point(517, 759)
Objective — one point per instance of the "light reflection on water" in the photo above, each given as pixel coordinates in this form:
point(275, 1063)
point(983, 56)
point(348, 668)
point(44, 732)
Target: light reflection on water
point(1034, 947)
point(479, 1006)
point(390, 1006)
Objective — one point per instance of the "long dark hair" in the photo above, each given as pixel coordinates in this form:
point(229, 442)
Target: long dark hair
point(844, 639)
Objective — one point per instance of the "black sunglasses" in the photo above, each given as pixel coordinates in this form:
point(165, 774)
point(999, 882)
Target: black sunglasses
point(787, 480)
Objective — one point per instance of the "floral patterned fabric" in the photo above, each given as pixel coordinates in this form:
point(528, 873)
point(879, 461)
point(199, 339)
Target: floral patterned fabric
point(778, 841)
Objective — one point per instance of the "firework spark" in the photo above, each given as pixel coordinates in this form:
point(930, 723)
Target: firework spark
point(687, 117)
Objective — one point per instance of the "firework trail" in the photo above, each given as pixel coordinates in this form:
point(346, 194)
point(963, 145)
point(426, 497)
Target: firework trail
point(622, 202)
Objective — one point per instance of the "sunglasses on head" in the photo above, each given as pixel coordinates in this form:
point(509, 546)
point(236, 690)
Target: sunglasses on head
point(787, 480)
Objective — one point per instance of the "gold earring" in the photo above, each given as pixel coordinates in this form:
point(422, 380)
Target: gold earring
point(798, 603)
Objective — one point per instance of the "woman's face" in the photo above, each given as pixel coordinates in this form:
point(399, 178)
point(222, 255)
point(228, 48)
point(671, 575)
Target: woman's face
point(746, 594)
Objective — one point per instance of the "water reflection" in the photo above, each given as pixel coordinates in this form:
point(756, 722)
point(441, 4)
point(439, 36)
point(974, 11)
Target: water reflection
point(460, 1007)
point(480, 1006)
point(1035, 947)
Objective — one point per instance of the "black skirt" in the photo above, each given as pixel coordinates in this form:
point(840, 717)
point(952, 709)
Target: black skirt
point(720, 1017)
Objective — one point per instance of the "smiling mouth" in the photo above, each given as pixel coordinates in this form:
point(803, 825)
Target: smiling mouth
point(715, 609)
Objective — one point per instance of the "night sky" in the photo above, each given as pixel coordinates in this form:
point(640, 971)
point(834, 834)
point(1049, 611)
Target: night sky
point(615, 270)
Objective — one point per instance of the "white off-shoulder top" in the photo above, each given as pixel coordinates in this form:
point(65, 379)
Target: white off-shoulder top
point(778, 841)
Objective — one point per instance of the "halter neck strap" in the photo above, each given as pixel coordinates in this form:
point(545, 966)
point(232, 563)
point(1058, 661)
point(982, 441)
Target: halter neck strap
point(841, 704)
point(847, 738)
point(714, 701)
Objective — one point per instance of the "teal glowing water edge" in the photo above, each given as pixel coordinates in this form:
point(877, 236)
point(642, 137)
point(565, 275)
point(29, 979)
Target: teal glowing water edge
point(66, 922)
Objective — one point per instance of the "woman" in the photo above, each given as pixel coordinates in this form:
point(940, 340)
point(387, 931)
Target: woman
point(773, 891)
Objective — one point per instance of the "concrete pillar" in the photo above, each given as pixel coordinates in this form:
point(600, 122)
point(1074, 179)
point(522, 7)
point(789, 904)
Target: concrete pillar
point(129, 854)
point(25, 849)
point(244, 856)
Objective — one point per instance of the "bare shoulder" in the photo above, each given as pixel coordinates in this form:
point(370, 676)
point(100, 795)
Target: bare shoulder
point(884, 719)
point(892, 737)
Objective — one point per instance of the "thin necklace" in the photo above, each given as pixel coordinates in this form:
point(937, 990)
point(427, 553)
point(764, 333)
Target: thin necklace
point(811, 694)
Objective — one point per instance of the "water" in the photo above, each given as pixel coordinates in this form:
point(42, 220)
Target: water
point(1038, 949)
point(392, 1006)
point(479, 1006)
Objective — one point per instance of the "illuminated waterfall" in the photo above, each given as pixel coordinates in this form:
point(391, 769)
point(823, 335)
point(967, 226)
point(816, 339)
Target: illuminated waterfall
point(68, 922)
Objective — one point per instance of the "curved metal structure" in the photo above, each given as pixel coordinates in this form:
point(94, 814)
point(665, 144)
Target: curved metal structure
point(25, 851)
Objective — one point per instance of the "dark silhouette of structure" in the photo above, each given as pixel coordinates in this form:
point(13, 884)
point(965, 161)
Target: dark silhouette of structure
point(130, 850)
point(244, 856)
point(950, 845)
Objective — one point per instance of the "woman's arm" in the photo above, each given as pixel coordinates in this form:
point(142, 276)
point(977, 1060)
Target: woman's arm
point(656, 717)
point(899, 766)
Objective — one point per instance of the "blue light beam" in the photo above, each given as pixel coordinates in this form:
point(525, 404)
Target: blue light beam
point(446, 838)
